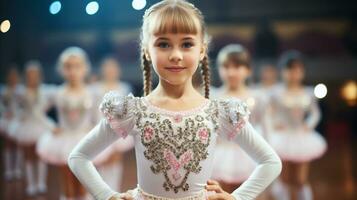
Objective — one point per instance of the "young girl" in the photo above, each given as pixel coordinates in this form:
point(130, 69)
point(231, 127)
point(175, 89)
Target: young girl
point(174, 127)
point(32, 122)
point(293, 115)
point(111, 170)
point(12, 153)
point(234, 69)
point(73, 102)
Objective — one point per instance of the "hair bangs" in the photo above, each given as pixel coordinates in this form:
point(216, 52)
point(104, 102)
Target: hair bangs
point(175, 20)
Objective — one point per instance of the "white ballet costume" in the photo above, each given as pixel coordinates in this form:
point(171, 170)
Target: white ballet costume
point(295, 111)
point(293, 142)
point(231, 163)
point(29, 125)
point(13, 158)
point(174, 149)
point(112, 172)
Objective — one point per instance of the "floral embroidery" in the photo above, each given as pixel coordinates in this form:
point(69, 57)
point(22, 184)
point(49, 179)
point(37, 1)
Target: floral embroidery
point(148, 133)
point(177, 118)
point(203, 135)
point(174, 150)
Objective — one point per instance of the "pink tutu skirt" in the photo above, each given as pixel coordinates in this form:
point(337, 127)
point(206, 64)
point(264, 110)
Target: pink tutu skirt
point(298, 146)
point(231, 164)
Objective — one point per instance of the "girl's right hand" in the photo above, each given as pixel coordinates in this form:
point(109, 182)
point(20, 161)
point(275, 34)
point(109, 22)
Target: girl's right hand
point(122, 196)
point(56, 131)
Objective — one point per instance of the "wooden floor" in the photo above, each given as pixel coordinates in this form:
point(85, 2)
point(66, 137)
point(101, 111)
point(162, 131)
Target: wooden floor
point(331, 176)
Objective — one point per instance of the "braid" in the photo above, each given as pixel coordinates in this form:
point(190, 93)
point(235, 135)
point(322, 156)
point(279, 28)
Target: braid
point(206, 75)
point(145, 64)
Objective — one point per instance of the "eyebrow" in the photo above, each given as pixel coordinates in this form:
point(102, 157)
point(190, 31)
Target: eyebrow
point(165, 38)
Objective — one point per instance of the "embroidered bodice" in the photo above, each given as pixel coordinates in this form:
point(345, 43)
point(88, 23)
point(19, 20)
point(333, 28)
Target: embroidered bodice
point(74, 111)
point(294, 110)
point(174, 149)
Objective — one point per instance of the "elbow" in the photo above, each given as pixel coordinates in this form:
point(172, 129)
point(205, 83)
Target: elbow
point(71, 161)
point(278, 166)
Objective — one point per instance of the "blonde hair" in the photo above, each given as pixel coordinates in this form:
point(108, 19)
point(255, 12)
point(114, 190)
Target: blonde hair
point(172, 16)
point(73, 51)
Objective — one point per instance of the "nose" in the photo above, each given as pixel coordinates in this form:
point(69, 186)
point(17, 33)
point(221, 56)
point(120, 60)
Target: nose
point(175, 55)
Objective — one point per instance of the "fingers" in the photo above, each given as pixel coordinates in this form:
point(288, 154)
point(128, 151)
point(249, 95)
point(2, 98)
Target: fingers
point(126, 196)
point(215, 188)
point(216, 196)
point(212, 182)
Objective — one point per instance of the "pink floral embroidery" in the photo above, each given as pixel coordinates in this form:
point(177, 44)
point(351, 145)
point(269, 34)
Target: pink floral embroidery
point(148, 133)
point(177, 118)
point(239, 125)
point(203, 134)
point(177, 164)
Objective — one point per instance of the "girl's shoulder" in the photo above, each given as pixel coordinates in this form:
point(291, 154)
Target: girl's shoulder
point(114, 104)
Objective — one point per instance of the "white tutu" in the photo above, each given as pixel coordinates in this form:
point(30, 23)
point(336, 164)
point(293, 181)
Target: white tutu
point(27, 132)
point(231, 164)
point(55, 148)
point(298, 147)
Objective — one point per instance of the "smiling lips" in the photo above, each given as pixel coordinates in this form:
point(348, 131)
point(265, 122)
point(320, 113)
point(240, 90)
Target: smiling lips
point(175, 68)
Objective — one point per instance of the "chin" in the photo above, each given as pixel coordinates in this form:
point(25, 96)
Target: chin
point(176, 80)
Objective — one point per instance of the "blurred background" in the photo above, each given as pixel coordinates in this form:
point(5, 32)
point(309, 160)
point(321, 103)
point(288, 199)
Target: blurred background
point(325, 31)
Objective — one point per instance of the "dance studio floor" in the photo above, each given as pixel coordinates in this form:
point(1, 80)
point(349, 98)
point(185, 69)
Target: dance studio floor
point(331, 176)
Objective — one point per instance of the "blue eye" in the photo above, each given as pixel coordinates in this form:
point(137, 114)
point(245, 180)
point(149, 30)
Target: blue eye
point(187, 45)
point(163, 45)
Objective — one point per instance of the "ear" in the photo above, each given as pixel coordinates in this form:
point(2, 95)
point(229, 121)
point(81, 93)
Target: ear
point(147, 55)
point(203, 51)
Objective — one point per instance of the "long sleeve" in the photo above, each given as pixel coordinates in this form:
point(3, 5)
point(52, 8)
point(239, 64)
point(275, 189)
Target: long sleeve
point(268, 163)
point(314, 114)
point(81, 165)
point(234, 125)
point(118, 122)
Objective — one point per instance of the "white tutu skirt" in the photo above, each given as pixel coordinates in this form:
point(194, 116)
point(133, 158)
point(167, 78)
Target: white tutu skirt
point(27, 132)
point(55, 148)
point(4, 127)
point(298, 146)
point(231, 164)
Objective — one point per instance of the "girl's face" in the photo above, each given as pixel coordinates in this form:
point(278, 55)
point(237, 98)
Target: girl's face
point(268, 75)
point(33, 77)
point(175, 56)
point(110, 70)
point(295, 74)
point(13, 78)
point(233, 74)
point(74, 69)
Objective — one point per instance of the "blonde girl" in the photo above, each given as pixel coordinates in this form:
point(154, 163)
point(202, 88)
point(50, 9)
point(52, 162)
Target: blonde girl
point(174, 127)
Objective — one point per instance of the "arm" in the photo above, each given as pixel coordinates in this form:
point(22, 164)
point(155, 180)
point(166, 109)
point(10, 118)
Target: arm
point(81, 165)
point(234, 125)
point(314, 115)
point(268, 168)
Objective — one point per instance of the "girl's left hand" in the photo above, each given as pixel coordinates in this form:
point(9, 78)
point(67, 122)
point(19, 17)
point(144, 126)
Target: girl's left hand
point(220, 193)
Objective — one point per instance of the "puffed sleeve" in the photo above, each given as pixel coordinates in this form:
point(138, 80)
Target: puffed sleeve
point(234, 125)
point(117, 123)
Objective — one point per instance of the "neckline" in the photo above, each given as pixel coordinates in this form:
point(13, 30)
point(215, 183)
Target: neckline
point(178, 112)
